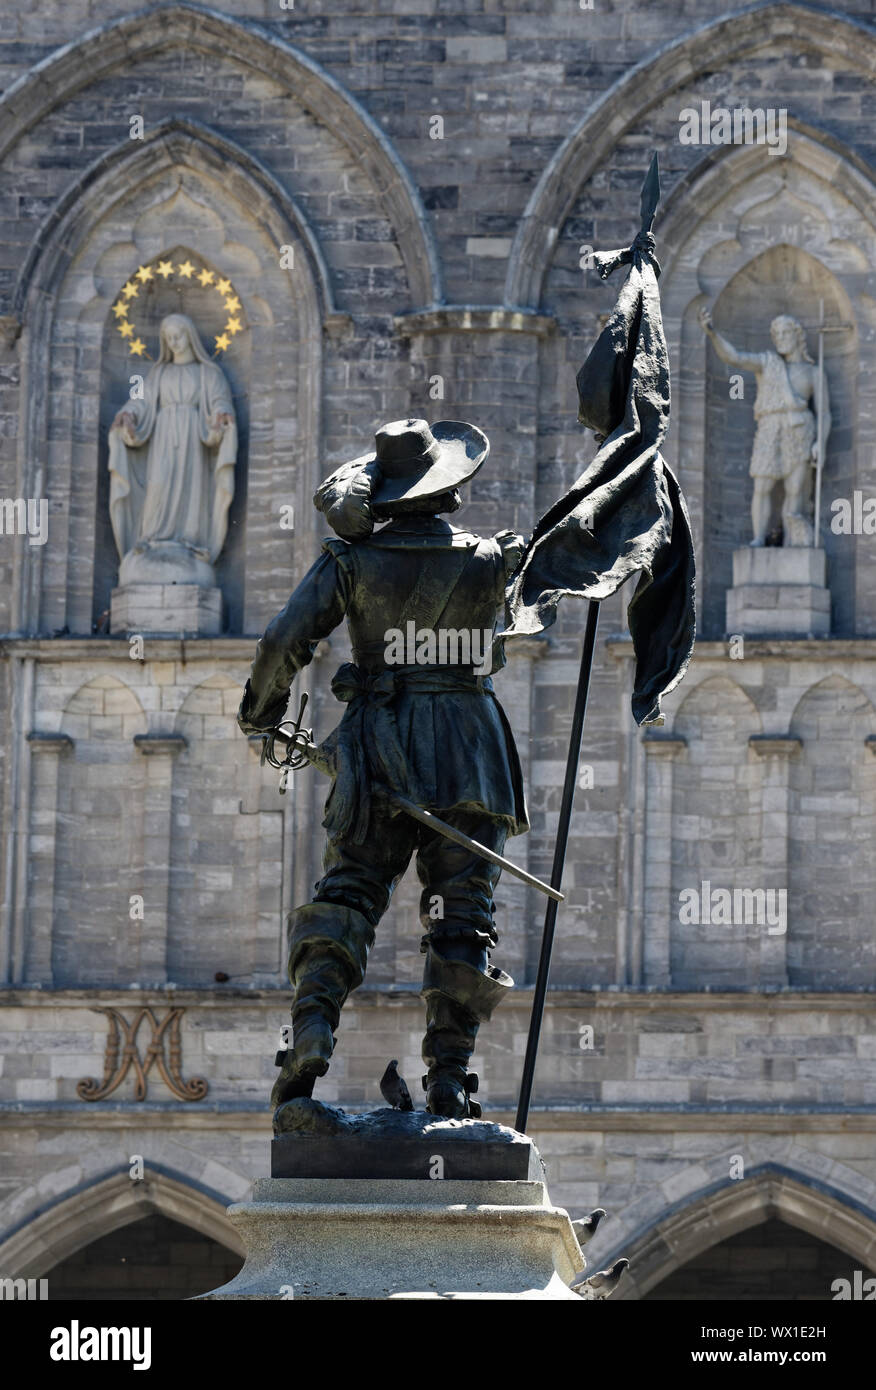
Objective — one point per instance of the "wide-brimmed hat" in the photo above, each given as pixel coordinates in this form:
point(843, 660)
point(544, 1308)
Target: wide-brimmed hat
point(413, 459)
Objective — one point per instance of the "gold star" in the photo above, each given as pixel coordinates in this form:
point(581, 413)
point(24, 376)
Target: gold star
point(137, 348)
point(206, 278)
point(145, 273)
point(223, 286)
point(222, 342)
point(165, 268)
point(232, 303)
point(130, 290)
point(126, 329)
point(232, 326)
point(120, 310)
point(186, 270)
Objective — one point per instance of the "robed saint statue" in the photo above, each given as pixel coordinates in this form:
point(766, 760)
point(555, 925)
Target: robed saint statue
point(172, 455)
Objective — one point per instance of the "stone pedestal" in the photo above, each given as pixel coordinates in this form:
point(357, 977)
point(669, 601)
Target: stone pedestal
point(187, 610)
point(376, 1239)
point(779, 591)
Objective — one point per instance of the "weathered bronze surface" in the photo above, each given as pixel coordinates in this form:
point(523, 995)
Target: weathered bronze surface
point(322, 1141)
point(421, 600)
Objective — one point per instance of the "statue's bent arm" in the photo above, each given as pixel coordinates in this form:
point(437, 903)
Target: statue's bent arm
point(315, 609)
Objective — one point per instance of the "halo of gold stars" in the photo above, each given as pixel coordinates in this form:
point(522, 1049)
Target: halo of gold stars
point(207, 279)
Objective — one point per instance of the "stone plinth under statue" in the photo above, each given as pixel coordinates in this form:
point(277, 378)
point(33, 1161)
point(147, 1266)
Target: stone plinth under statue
point(186, 610)
point(433, 1225)
point(378, 1238)
point(450, 1231)
point(779, 591)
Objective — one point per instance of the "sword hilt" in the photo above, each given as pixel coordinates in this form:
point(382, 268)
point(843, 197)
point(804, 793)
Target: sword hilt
point(291, 734)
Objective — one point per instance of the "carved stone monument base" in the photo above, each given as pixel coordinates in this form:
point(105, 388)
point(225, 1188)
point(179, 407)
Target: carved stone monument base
point(189, 610)
point(779, 591)
point(402, 1238)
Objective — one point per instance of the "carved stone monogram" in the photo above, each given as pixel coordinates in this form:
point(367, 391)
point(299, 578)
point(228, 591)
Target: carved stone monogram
point(120, 1059)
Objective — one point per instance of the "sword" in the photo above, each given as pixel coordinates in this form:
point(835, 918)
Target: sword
point(301, 750)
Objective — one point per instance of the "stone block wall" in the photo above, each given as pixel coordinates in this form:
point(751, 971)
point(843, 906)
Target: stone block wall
point(438, 178)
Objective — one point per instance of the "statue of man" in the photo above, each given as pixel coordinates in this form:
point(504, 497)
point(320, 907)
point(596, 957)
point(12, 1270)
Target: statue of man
point(785, 409)
point(433, 732)
point(171, 459)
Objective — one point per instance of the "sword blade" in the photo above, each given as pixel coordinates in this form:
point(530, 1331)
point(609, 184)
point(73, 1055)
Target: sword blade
point(435, 823)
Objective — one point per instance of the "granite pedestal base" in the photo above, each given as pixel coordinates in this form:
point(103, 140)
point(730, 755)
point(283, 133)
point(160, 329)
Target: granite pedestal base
point(779, 591)
point(356, 1239)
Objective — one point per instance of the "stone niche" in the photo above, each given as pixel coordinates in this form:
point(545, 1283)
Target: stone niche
point(180, 198)
point(756, 237)
point(185, 277)
point(780, 589)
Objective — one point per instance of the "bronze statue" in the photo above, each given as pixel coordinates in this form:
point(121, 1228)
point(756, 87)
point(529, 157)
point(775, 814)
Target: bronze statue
point(423, 762)
point(428, 728)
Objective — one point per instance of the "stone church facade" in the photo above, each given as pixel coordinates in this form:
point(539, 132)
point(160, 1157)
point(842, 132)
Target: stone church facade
point(400, 199)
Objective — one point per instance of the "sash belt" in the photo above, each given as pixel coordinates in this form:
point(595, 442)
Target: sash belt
point(366, 747)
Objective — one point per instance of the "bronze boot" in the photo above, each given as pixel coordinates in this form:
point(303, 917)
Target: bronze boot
point(459, 996)
point(329, 945)
point(321, 986)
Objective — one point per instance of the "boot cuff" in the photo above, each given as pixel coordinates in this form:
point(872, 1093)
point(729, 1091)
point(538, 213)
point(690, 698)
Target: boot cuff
point(345, 932)
point(477, 991)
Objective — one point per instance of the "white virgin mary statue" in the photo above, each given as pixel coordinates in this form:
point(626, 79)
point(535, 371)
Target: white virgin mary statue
point(171, 460)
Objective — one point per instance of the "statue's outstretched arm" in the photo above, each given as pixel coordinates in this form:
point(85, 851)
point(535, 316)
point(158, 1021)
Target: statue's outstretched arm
point(315, 609)
point(734, 357)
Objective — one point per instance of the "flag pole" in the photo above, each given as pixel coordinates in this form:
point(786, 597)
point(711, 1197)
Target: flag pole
point(550, 917)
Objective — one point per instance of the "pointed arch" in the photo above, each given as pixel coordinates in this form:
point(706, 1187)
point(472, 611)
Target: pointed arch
point(702, 696)
point(842, 1213)
point(805, 225)
point(65, 278)
point(158, 28)
point(834, 683)
point(173, 144)
point(720, 42)
point(104, 1204)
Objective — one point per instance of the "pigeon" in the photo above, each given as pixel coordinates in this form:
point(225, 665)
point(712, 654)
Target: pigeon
point(585, 1229)
point(601, 1285)
point(394, 1089)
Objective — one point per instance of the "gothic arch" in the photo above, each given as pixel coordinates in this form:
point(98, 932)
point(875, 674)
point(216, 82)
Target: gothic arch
point(812, 220)
point(717, 43)
point(73, 274)
point(107, 1203)
point(701, 696)
point(833, 681)
point(162, 27)
point(173, 143)
point(842, 1212)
